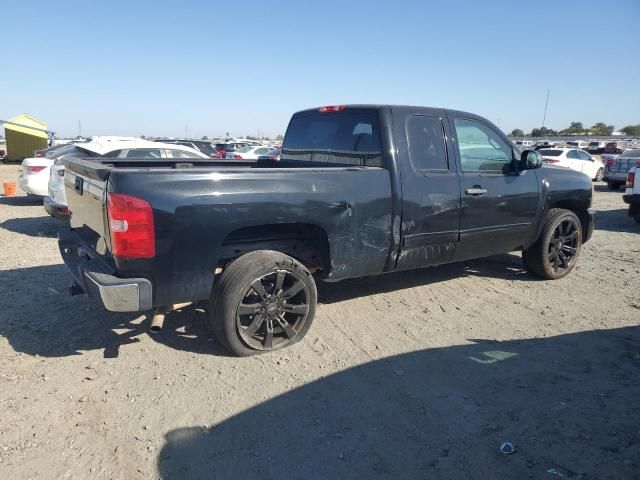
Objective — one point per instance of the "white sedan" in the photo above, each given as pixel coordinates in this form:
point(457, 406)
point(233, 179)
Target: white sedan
point(34, 176)
point(249, 152)
point(575, 159)
point(117, 147)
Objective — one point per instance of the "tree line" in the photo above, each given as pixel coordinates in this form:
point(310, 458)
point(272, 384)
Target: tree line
point(577, 128)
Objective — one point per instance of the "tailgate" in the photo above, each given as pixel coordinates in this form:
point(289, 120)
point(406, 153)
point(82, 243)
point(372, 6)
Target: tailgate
point(85, 186)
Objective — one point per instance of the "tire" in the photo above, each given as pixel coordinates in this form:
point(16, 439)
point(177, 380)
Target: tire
point(613, 185)
point(556, 251)
point(599, 175)
point(278, 298)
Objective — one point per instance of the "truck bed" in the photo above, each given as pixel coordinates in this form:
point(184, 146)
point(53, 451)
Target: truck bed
point(200, 208)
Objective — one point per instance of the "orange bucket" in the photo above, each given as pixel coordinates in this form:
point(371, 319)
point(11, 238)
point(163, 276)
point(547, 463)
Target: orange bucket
point(9, 189)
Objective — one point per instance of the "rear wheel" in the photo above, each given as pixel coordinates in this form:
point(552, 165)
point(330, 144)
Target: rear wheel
point(263, 301)
point(556, 251)
point(599, 175)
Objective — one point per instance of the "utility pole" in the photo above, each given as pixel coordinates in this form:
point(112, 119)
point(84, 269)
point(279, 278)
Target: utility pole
point(544, 119)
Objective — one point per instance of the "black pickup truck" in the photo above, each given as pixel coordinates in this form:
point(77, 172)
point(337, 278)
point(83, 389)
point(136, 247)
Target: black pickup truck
point(358, 190)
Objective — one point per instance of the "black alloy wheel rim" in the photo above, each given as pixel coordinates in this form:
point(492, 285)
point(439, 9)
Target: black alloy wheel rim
point(273, 310)
point(563, 246)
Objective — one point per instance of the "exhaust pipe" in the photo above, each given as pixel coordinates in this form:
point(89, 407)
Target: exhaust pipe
point(157, 322)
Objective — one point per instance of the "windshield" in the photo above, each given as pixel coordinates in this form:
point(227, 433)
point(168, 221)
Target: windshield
point(551, 153)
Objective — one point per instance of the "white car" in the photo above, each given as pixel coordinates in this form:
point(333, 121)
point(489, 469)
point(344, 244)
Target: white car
point(581, 144)
point(575, 159)
point(248, 153)
point(34, 177)
point(117, 147)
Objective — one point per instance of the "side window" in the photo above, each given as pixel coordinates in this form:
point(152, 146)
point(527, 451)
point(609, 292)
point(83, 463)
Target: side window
point(427, 149)
point(584, 156)
point(113, 154)
point(573, 154)
point(481, 149)
point(180, 154)
point(144, 153)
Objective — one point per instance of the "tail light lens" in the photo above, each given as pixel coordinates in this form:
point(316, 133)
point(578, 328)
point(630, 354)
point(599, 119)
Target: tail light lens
point(237, 157)
point(38, 153)
point(131, 226)
point(551, 160)
point(631, 178)
point(35, 169)
point(609, 162)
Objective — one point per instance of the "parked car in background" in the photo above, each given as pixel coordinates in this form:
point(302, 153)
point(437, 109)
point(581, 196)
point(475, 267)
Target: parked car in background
point(271, 155)
point(34, 177)
point(545, 144)
point(580, 144)
point(227, 147)
point(523, 144)
point(617, 166)
point(596, 147)
point(202, 146)
point(632, 192)
point(575, 159)
point(55, 203)
point(248, 153)
point(614, 147)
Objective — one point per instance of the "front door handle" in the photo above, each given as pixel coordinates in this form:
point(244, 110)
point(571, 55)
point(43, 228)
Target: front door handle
point(475, 191)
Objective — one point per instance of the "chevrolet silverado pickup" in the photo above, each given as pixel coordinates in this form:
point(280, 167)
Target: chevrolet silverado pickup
point(358, 190)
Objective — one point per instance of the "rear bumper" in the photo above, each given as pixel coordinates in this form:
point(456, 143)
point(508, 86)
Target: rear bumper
point(96, 278)
point(615, 176)
point(33, 184)
point(591, 221)
point(55, 209)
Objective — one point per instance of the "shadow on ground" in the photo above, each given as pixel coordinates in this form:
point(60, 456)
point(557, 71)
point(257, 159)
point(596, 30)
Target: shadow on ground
point(21, 201)
point(616, 221)
point(569, 405)
point(39, 317)
point(44, 226)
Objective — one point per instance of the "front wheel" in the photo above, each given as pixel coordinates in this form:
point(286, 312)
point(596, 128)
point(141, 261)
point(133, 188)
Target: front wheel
point(599, 175)
point(556, 251)
point(263, 301)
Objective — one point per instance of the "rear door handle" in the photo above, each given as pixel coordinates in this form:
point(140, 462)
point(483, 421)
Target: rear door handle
point(475, 191)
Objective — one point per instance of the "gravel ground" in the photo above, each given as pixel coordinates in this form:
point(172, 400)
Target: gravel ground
point(416, 375)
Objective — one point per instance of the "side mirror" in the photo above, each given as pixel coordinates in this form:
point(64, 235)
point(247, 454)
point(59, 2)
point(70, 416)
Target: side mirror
point(530, 160)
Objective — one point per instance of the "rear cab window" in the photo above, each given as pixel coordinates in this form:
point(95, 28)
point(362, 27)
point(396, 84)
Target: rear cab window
point(348, 137)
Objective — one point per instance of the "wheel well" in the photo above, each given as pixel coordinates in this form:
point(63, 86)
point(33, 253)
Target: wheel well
point(305, 242)
point(577, 207)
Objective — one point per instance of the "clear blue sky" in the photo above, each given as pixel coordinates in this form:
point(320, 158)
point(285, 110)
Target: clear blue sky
point(150, 67)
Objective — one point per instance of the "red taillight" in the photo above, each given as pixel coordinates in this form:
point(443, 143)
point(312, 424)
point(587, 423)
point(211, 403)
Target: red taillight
point(131, 226)
point(38, 153)
point(35, 169)
point(237, 157)
point(331, 108)
point(610, 162)
point(550, 160)
point(631, 178)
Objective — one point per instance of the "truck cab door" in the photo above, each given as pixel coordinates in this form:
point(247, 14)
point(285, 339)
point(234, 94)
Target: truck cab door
point(430, 190)
point(500, 206)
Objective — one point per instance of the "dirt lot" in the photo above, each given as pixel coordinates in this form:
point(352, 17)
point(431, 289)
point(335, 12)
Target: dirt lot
point(415, 375)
